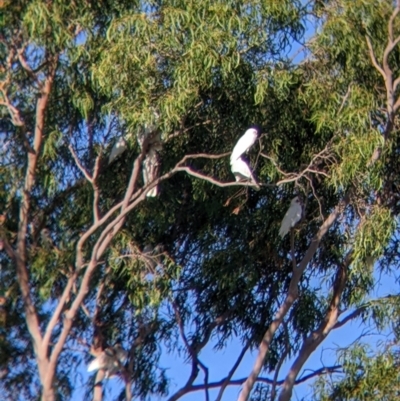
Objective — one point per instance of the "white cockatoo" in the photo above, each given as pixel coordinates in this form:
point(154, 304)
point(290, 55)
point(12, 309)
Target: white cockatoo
point(242, 171)
point(151, 170)
point(118, 148)
point(149, 137)
point(292, 216)
point(111, 360)
point(245, 142)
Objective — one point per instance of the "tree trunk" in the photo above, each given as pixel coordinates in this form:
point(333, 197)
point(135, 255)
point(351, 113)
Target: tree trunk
point(46, 374)
point(48, 394)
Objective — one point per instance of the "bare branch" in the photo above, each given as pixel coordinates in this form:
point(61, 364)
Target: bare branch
point(354, 315)
point(196, 174)
point(13, 111)
point(98, 387)
point(57, 312)
point(178, 318)
point(294, 177)
point(188, 387)
point(232, 371)
point(193, 350)
point(321, 214)
point(128, 391)
point(361, 309)
point(396, 84)
point(26, 67)
point(21, 256)
point(192, 353)
point(205, 370)
point(280, 362)
point(92, 179)
point(266, 380)
point(390, 24)
point(392, 105)
point(133, 179)
point(70, 314)
point(80, 166)
point(373, 57)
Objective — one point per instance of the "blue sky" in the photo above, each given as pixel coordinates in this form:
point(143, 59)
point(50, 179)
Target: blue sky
point(220, 362)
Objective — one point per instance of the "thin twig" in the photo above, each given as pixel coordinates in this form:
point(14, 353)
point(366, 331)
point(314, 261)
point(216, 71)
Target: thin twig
point(80, 166)
point(232, 371)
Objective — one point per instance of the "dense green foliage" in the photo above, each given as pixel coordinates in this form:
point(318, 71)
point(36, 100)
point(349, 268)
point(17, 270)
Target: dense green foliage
point(76, 232)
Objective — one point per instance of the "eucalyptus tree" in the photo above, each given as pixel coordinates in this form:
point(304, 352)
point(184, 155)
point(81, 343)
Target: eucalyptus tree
point(75, 77)
point(89, 261)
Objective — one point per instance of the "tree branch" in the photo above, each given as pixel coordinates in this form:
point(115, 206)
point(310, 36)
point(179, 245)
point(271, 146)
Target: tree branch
point(79, 165)
point(361, 309)
point(373, 57)
point(228, 378)
point(96, 190)
point(193, 350)
point(266, 380)
point(57, 312)
point(21, 256)
point(315, 339)
point(355, 314)
point(291, 296)
point(27, 68)
point(280, 362)
point(324, 154)
point(194, 173)
point(392, 105)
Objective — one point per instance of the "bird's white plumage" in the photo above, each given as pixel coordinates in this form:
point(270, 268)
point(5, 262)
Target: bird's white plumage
point(292, 216)
point(245, 143)
point(150, 138)
point(151, 169)
point(110, 360)
point(96, 364)
point(242, 171)
point(118, 148)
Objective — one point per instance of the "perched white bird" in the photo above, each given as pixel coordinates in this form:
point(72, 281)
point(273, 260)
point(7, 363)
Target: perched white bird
point(149, 137)
point(245, 142)
point(292, 216)
point(111, 360)
point(118, 148)
point(242, 171)
point(151, 170)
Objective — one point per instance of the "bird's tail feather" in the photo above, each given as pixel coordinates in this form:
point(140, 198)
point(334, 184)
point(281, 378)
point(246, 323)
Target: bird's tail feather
point(153, 192)
point(94, 365)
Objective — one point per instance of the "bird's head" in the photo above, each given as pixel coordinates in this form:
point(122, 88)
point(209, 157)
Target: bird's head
point(256, 128)
point(295, 200)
